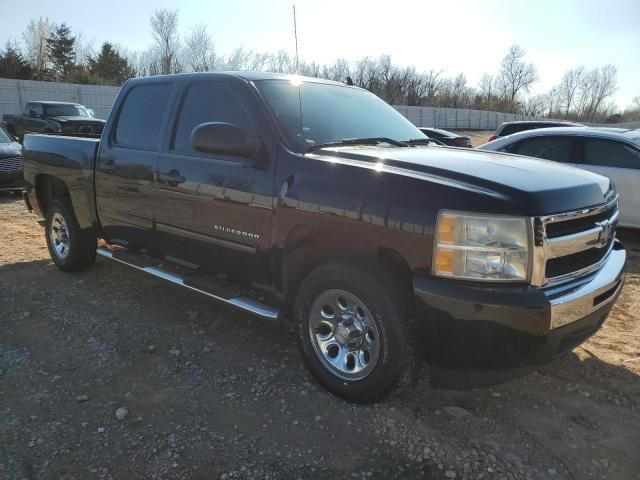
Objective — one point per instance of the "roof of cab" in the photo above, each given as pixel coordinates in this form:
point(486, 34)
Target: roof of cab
point(53, 102)
point(245, 75)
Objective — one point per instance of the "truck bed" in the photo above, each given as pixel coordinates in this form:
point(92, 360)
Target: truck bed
point(69, 159)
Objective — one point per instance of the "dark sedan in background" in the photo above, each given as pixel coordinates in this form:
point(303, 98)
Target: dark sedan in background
point(509, 128)
point(448, 138)
point(11, 178)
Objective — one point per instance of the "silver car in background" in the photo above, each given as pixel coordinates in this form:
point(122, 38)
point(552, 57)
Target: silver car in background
point(613, 152)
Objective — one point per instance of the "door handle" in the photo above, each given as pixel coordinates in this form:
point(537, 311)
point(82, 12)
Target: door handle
point(107, 165)
point(171, 178)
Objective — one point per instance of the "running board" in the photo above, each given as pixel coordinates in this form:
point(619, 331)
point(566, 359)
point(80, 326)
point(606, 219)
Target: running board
point(219, 292)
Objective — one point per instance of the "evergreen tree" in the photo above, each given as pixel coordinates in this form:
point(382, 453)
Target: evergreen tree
point(110, 67)
point(13, 65)
point(61, 50)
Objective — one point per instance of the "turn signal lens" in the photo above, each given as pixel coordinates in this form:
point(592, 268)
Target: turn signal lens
point(444, 261)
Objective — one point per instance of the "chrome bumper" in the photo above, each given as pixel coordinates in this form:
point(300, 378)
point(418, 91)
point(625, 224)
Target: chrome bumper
point(602, 289)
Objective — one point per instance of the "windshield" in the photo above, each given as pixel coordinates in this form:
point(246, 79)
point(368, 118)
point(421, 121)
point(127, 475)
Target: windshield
point(4, 138)
point(65, 111)
point(318, 113)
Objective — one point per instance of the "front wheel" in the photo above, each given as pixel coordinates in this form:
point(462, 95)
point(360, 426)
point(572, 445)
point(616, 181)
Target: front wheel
point(353, 332)
point(71, 248)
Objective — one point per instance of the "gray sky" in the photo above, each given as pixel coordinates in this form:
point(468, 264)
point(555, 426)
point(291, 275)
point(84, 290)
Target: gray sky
point(457, 36)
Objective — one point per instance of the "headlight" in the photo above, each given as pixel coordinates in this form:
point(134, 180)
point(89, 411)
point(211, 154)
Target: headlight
point(481, 247)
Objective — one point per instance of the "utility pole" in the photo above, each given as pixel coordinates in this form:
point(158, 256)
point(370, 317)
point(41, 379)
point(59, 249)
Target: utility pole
point(295, 34)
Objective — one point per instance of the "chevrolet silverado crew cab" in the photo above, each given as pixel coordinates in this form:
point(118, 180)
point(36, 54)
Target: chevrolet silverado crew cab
point(52, 117)
point(316, 202)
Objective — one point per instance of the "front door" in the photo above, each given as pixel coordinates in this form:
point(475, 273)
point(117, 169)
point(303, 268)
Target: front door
point(215, 211)
point(126, 165)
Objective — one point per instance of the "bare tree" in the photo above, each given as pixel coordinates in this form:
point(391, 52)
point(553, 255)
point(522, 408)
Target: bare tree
point(487, 88)
point(35, 40)
point(600, 84)
point(164, 28)
point(516, 75)
point(84, 49)
point(570, 87)
point(199, 50)
point(281, 62)
point(338, 71)
point(239, 59)
point(534, 105)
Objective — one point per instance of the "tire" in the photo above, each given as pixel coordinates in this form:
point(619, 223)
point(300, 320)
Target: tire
point(365, 355)
point(71, 248)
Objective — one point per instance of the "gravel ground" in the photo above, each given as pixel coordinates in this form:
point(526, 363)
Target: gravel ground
point(112, 374)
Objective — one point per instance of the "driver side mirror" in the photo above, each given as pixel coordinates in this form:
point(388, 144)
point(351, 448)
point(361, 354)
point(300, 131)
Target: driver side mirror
point(223, 138)
point(33, 113)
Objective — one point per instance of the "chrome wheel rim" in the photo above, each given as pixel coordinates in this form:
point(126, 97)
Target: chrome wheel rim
point(344, 335)
point(59, 236)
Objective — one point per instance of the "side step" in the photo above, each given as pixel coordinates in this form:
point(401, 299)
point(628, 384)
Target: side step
point(199, 283)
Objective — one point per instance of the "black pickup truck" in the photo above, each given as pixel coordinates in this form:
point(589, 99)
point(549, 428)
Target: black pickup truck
point(52, 117)
point(317, 203)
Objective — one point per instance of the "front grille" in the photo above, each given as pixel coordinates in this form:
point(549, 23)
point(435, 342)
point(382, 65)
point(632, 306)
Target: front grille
point(83, 128)
point(11, 165)
point(557, 267)
point(574, 243)
point(569, 227)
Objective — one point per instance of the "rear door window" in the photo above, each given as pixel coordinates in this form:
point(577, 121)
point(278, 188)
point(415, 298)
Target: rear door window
point(609, 153)
point(558, 149)
point(141, 116)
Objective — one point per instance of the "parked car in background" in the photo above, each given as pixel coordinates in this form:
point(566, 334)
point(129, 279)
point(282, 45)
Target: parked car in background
point(446, 137)
point(11, 177)
point(310, 200)
point(52, 117)
point(509, 128)
point(614, 152)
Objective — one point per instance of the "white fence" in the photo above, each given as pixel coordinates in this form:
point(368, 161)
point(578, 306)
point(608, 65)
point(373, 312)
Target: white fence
point(465, 119)
point(15, 93)
point(458, 118)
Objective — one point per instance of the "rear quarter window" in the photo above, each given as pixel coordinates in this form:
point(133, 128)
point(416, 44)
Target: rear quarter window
point(141, 116)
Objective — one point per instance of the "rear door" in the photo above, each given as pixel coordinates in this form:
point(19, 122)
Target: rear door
point(620, 161)
point(126, 165)
point(559, 148)
point(215, 210)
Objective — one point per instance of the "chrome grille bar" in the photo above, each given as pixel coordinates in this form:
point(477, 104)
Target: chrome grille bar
point(12, 164)
point(596, 235)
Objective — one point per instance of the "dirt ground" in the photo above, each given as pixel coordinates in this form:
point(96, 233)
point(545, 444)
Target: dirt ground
point(212, 393)
point(477, 137)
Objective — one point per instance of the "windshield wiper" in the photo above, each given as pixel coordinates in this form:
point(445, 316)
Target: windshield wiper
point(357, 141)
point(423, 141)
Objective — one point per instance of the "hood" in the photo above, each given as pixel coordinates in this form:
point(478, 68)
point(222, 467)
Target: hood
point(8, 150)
point(539, 186)
point(78, 119)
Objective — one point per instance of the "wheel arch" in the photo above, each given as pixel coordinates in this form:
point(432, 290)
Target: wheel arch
point(49, 188)
point(307, 248)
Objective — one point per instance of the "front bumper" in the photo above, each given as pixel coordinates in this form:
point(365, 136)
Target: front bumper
point(11, 181)
point(476, 334)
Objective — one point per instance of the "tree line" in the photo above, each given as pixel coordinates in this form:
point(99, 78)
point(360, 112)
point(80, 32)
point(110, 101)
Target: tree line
point(52, 52)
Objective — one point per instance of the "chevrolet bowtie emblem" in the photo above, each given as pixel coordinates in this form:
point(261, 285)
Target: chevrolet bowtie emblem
point(608, 227)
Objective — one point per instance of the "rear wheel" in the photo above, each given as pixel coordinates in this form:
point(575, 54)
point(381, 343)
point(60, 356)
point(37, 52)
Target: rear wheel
point(353, 332)
point(71, 248)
